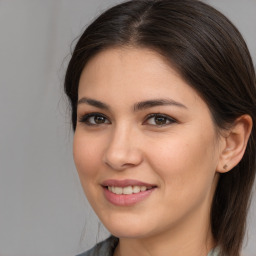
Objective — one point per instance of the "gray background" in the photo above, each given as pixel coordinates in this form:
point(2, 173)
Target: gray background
point(42, 207)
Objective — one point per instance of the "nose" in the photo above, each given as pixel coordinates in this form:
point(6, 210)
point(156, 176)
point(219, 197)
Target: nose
point(123, 151)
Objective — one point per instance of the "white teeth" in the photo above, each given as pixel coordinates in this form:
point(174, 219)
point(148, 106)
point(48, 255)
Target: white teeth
point(136, 189)
point(143, 188)
point(127, 190)
point(117, 190)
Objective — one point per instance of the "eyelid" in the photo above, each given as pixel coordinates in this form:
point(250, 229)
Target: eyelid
point(170, 119)
point(83, 118)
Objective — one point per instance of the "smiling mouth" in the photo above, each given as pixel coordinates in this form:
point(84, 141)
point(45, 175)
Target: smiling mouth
point(128, 190)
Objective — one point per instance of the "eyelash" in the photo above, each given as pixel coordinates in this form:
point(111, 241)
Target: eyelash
point(169, 119)
point(85, 119)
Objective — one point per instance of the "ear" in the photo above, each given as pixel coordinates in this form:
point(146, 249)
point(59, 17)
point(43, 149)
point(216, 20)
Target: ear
point(234, 143)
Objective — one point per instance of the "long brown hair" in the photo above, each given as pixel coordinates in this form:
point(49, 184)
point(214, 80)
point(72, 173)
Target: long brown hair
point(210, 54)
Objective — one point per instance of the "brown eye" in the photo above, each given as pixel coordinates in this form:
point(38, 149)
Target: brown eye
point(99, 119)
point(159, 120)
point(94, 119)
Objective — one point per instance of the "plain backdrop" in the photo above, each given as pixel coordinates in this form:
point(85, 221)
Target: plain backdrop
point(43, 211)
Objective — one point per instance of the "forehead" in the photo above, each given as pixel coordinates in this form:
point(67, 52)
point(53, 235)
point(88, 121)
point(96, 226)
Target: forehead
point(124, 60)
point(133, 74)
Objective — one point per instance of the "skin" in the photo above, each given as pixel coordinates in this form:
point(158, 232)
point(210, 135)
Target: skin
point(182, 158)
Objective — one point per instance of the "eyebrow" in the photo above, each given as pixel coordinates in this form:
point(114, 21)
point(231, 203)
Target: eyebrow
point(157, 102)
point(94, 103)
point(137, 106)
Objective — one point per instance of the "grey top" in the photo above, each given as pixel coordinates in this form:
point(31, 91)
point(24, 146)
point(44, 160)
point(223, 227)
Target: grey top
point(107, 248)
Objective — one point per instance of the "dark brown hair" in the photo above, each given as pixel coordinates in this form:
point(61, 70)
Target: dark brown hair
point(210, 54)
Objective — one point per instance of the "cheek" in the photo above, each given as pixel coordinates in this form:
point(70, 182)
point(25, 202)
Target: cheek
point(185, 171)
point(184, 162)
point(86, 157)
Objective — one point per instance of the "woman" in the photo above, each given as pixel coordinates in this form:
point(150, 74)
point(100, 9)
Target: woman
point(163, 109)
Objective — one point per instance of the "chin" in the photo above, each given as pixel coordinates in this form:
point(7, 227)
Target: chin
point(124, 233)
point(128, 228)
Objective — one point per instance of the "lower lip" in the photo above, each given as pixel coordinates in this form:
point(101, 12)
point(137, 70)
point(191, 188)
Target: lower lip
point(126, 200)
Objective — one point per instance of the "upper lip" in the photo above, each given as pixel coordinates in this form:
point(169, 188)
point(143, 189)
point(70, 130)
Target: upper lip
point(125, 183)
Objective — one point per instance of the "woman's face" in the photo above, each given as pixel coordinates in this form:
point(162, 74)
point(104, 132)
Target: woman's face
point(145, 146)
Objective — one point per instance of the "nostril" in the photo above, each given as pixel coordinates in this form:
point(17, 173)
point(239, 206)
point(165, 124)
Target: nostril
point(122, 159)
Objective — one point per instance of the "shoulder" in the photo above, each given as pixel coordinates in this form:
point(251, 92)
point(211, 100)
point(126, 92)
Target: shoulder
point(105, 248)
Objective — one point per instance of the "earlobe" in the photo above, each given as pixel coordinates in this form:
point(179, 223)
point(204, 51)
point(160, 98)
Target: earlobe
point(235, 143)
